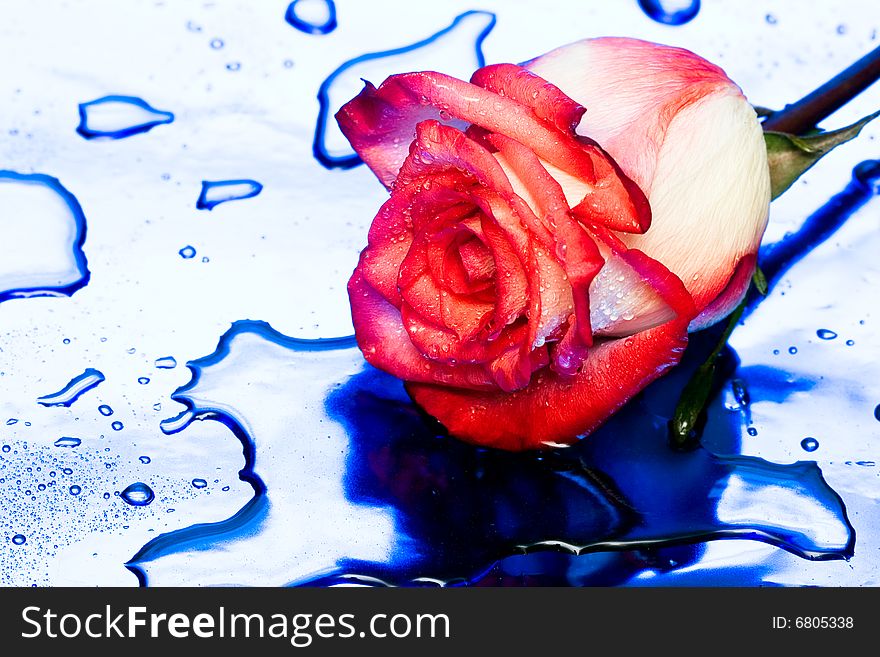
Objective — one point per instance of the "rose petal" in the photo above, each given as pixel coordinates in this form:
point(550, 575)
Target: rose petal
point(668, 117)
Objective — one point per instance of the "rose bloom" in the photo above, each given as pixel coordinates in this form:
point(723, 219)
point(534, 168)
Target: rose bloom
point(538, 263)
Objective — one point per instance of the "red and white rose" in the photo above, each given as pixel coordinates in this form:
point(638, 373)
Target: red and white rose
point(537, 264)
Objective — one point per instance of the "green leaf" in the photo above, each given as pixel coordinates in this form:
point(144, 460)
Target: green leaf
point(760, 281)
point(791, 155)
point(696, 393)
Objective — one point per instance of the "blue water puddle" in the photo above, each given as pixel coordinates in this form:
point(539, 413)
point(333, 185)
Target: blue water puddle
point(215, 192)
point(358, 485)
point(455, 50)
point(74, 389)
point(312, 16)
point(116, 117)
point(671, 12)
point(42, 232)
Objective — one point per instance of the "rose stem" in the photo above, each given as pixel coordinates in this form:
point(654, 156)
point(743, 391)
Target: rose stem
point(804, 114)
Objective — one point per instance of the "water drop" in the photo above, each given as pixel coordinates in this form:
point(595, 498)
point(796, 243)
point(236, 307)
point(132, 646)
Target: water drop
point(117, 426)
point(193, 27)
point(68, 442)
point(771, 19)
point(144, 459)
point(215, 192)
point(66, 341)
point(106, 496)
point(75, 490)
point(7, 448)
point(74, 389)
point(810, 444)
point(792, 350)
point(19, 539)
point(867, 174)
point(116, 117)
point(67, 471)
point(103, 409)
point(138, 494)
point(752, 431)
point(199, 483)
point(841, 29)
point(850, 343)
point(11, 421)
point(288, 63)
point(166, 363)
point(233, 66)
point(187, 252)
point(216, 44)
point(876, 417)
point(671, 12)
point(826, 334)
point(312, 16)
point(740, 393)
point(143, 380)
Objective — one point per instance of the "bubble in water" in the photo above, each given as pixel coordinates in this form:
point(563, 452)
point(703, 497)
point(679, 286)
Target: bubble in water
point(143, 380)
point(166, 363)
point(75, 490)
point(117, 426)
point(826, 334)
point(810, 444)
point(867, 174)
point(144, 459)
point(19, 539)
point(138, 494)
point(103, 409)
point(671, 12)
point(68, 442)
point(199, 483)
point(187, 252)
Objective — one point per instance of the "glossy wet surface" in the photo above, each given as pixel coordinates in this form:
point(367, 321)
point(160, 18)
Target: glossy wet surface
point(279, 458)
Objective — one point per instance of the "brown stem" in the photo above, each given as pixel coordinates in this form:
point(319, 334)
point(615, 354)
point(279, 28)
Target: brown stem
point(803, 115)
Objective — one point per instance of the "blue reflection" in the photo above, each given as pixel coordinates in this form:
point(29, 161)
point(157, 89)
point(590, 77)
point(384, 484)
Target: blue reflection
point(116, 117)
point(443, 51)
point(300, 14)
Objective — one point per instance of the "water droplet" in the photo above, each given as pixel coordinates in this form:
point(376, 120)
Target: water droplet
point(792, 350)
point(19, 539)
point(841, 29)
point(143, 380)
point(216, 44)
point(810, 444)
point(116, 117)
point(199, 483)
point(187, 252)
point(67, 471)
point(776, 352)
point(312, 16)
point(138, 494)
point(11, 421)
point(233, 66)
point(144, 459)
point(850, 343)
point(75, 490)
point(66, 341)
point(103, 409)
point(117, 426)
point(68, 442)
point(106, 496)
point(225, 489)
point(740, 393)
point(752, 431)
point(7, 448)
point(771, 19)
point(74, 389)
point(826, 334)
point(671, 12)
point(166, 363)
point(288, 63)
point(215, 192)
point(867, 174)
point(876, 417)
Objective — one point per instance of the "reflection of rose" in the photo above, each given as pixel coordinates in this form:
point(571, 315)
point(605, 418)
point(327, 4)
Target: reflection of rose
point(516, 279)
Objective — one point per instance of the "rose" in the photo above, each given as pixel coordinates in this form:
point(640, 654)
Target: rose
point(518, 279)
